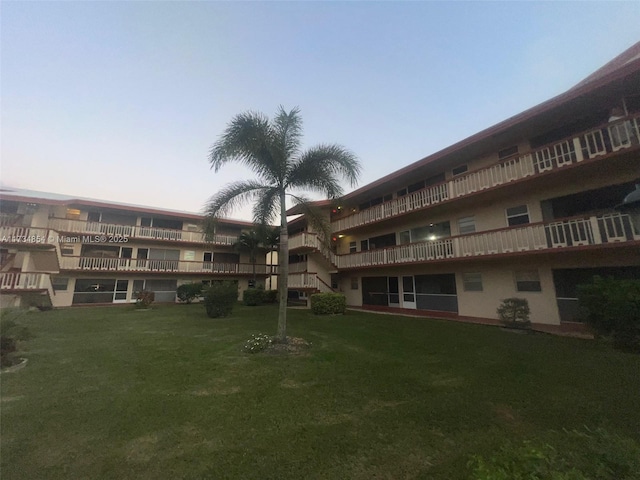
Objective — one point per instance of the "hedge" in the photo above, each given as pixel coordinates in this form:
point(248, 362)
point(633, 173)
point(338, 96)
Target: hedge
point(328, 303)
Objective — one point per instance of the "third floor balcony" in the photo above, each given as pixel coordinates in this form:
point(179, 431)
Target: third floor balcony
point(135, 231)
point(617, 136)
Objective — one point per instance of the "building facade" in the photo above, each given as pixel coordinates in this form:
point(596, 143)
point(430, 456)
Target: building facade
point(528, 208)
point(59, 251)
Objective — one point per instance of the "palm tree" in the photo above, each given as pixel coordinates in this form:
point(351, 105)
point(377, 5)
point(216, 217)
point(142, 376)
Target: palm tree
point(271, 241)
point(250, 242)
point(272, 150)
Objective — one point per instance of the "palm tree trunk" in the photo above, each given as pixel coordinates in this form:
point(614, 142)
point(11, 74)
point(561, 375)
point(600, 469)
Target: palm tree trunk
point(283, 271)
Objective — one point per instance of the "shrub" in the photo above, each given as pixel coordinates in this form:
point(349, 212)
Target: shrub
point(8, 345)
point(328, 303)
point(10, 326)
point(612, 308)
point(145, 298)
point(187, 292)
point(514, 313)
point(220, 298)
point(271, 296)
point(253, 297)
point(257, 343)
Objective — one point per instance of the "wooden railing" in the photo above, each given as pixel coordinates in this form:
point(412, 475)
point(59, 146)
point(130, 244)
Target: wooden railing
point(136, 231)
point(611, 137)
point(149, 265)
point(573, 232)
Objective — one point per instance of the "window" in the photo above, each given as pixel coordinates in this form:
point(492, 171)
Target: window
point(528, 281)
point(66, 249)
point(59, 284)
point(73, 213)
point(467, 225)
point(401, 193)
point(364, 245)
point(354, 283)
point(414, 187)
point(472, 282)
point(352, 247)
point(405, 237)
point(507, 152)
point(459, 170)
point(517, 215)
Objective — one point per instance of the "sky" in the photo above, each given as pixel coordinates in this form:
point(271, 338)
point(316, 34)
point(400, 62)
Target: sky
point(121, 101)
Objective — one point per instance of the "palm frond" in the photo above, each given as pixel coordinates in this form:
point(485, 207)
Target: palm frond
point(226, 200)
point(321, 168)
point(266, 208)
point(316, 219)
point(288, 129)
point(248, 139)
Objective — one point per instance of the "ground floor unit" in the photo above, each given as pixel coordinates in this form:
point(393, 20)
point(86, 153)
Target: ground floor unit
point(474, 289)
point(91, 289)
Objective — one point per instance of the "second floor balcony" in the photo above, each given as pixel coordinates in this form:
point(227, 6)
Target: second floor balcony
point(136, 231)
point(610, 138)
point(134, 265)
point(583, 232)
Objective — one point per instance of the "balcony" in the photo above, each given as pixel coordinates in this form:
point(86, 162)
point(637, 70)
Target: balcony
point(136, 231)
point(566, 234)
point(24, 281)
point(622, 134)
point(134, 265)
point(28, 237)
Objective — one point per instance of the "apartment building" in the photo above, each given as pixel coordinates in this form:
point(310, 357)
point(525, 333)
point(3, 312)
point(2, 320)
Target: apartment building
point(531, 208)
point(58, 251)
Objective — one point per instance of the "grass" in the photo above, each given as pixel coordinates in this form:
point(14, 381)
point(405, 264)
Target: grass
point(114, 393)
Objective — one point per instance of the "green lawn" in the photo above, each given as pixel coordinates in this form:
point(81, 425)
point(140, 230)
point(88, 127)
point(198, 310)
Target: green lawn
point(167, 393)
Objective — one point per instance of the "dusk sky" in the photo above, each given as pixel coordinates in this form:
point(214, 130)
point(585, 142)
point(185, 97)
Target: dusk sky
point(121, 100)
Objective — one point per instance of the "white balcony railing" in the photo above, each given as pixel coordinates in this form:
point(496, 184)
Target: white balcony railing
point(28, 236)
point(311, 240)
point(148, 265)
point(24, 281)
point(575, 232)
point(136, 231)
point(621, 134)
point(302, 281)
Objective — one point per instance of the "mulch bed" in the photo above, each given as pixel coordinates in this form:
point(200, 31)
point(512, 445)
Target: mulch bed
point(294, 346)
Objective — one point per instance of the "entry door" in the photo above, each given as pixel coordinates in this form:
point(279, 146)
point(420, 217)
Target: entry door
point(120, 294)
point(394, 292)
point(408, 292)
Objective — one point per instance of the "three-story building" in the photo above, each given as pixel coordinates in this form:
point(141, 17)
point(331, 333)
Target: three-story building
point(527, 208)
point(59, 251)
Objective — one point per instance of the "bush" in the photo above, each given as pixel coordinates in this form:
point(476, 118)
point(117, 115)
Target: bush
point(257, 343)
point(253, 297)
point(271, 296)
point(145, 298)
point(585, 455)
point(514, 313)
point(220, 298)
point(10, 326)
point(612, 308)
point(8, 345)
point(187, 292)
point(328, 303)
